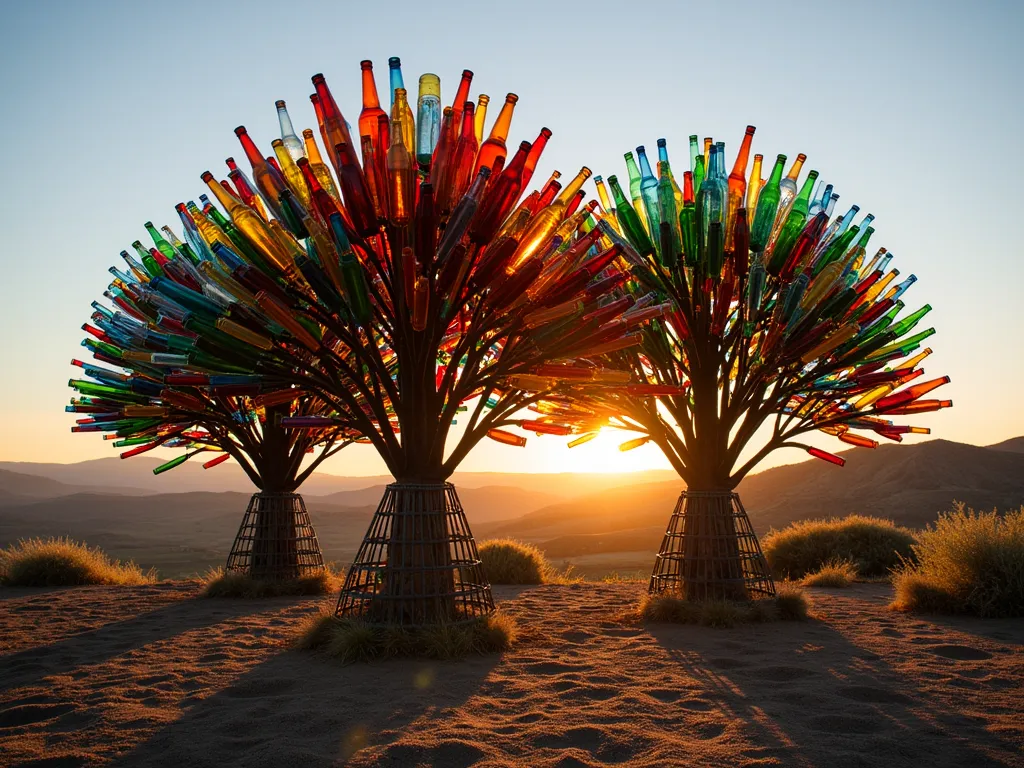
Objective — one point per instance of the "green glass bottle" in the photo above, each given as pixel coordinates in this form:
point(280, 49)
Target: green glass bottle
point(791, 229)
point(629, 221)
point(635, 197)
point(767, 204)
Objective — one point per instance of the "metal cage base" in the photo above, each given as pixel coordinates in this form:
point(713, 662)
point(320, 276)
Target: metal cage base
point(418, 564)
point(276, 540)
point(710, 551)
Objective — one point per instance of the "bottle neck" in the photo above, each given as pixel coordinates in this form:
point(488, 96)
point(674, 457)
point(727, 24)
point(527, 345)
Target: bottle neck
point(739, 168)
point(462, 94)
point(535, 152)
point(251, 152)
point(570, 190)
point(395, 76)
point(631, 168)
point(776, 176)
point(312, 150)
point(645, 165)
point(370, 98)
point(798, 165)
point(284, 120)
point(502, 125)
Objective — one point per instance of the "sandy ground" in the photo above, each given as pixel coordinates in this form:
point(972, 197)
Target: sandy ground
point(151, 676)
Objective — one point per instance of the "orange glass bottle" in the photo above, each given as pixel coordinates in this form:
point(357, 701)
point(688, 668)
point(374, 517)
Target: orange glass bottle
point(737, 186)
point(493, 151)
point(371, 106)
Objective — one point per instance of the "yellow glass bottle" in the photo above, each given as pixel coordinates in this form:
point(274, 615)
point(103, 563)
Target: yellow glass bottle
point(546, 222)
point(481, 113)
point(292, 175)
point(402, 112)
point(317, 165)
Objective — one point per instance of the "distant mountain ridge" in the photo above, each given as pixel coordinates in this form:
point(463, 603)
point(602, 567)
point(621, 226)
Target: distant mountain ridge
point(570, 515)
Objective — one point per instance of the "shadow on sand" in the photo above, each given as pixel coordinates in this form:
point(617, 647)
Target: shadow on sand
point(301, 709)
point(807, 696)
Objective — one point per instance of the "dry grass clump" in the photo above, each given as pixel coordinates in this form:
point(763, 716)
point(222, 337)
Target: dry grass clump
point(350, 640)
point(61, 562)
point(835, 573)
point(218, 583)
point(872, 545)
point(507, 561)
point(966, 562)
point(789, 604)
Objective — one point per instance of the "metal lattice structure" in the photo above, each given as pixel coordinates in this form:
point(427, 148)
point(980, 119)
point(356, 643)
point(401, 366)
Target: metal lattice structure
point(418, 563)
point(276, 540)
point(710, 551)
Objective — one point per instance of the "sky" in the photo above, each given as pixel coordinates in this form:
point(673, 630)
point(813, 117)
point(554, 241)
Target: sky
point(911, 109)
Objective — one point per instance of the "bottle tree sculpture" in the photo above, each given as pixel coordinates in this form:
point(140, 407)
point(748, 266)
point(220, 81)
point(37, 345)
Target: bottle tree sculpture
point(184, 333)
point(781, 326)
point(438, 296)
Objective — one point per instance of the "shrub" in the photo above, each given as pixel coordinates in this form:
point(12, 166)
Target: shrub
point(966, 562)
point(507, 561)
point(872, 545)
point(792, 604)
point(835, 573)
point(788, 605)
point(61, 562)
point(218, 583)
point(350, 640)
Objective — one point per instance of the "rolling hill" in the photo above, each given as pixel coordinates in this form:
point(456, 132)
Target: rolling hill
point(909, 484)
point(599, 518)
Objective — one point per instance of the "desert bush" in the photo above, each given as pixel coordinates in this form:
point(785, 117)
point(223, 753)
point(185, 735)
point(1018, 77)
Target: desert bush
point(507, 561)
point(218, 583)
point(351, 640)
point(61, 562)
point(788, 605)
point(835, 573)
point(966, 562)
point(872, 545)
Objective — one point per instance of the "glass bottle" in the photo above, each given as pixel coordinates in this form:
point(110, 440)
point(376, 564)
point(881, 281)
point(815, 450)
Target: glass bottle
point(767, 204)
point(371, 105)
point(493, 151)
point(395, 81)
point(755, 184)
point(401, 178)
point(536, 149)
point(737, 185)
point(629, 221)
point(265, 179)
point(402, 111)
point(781, 246)
point(333, 126)
point(500, 198)
point(291, 141)
point(481, 113)
point(649, 195)
point(292, 174)
point(461, 97)
point(635, 197)
point(694, 152)
point(787, 193)
point(428, 117)
point(316, 164)
point(462, 161)
point(546, 222)
point(663, 158)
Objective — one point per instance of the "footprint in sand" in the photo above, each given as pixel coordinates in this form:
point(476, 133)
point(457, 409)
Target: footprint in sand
point(960, 652)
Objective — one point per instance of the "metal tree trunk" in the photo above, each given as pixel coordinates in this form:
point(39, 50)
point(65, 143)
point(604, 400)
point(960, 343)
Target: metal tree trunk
point(710, 551)
point(276, 540)
point(418, 563)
